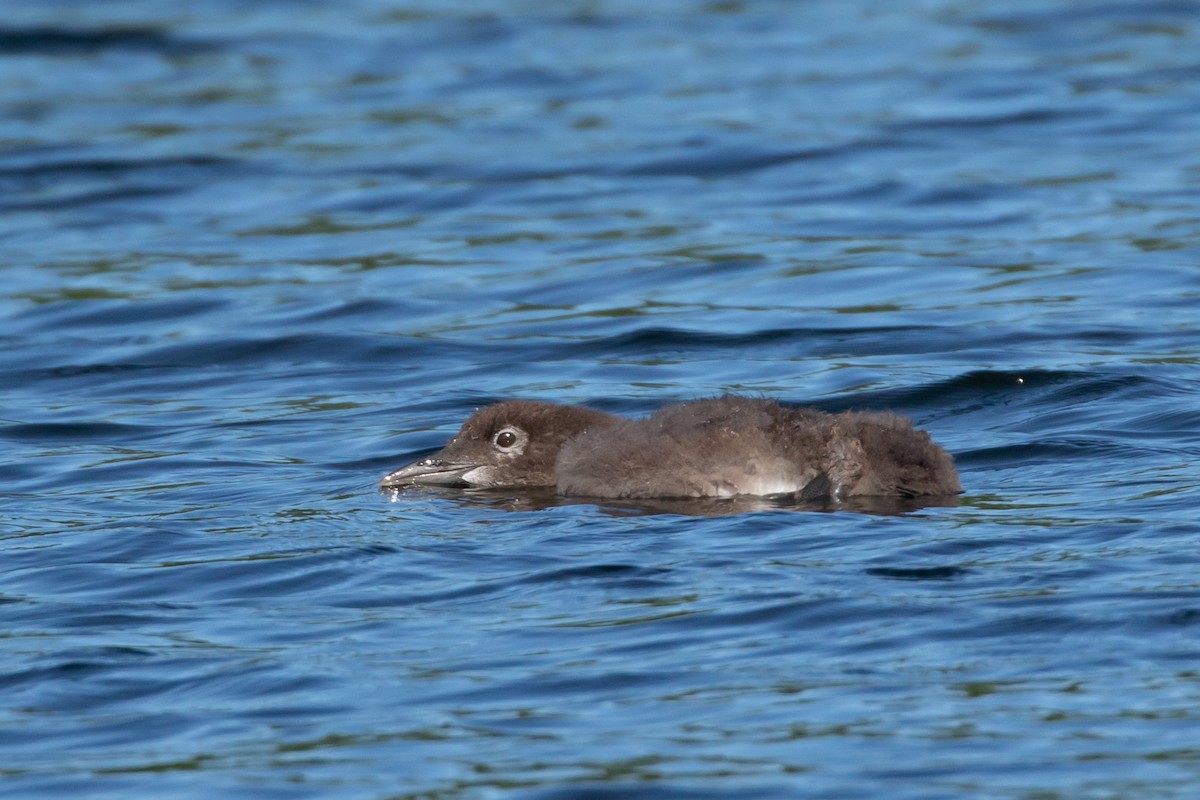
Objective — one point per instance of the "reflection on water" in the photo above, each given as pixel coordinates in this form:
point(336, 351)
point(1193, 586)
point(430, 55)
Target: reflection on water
point(540, 499)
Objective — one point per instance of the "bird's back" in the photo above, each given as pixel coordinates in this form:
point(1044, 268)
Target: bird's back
point(710, 448)
point(733, 445)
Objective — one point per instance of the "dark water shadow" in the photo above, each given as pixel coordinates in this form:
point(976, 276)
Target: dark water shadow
point(540, 499)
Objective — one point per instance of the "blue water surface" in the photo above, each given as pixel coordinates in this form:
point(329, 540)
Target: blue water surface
point(255, 255)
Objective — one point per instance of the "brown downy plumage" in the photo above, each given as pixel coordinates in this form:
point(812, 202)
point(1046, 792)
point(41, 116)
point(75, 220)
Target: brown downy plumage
point(721, 447)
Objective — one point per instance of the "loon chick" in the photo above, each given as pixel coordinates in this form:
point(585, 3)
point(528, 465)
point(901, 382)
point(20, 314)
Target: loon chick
point(721, 447)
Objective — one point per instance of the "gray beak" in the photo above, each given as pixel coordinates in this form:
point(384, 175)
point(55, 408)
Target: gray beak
point(430, 471)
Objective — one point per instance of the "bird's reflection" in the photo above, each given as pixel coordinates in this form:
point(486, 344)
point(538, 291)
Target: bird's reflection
point(540, 499)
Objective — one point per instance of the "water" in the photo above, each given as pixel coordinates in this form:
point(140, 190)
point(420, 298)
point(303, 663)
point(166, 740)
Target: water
point(257, 254)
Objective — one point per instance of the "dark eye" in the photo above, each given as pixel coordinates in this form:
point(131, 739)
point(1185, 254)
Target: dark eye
point(506, 439)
